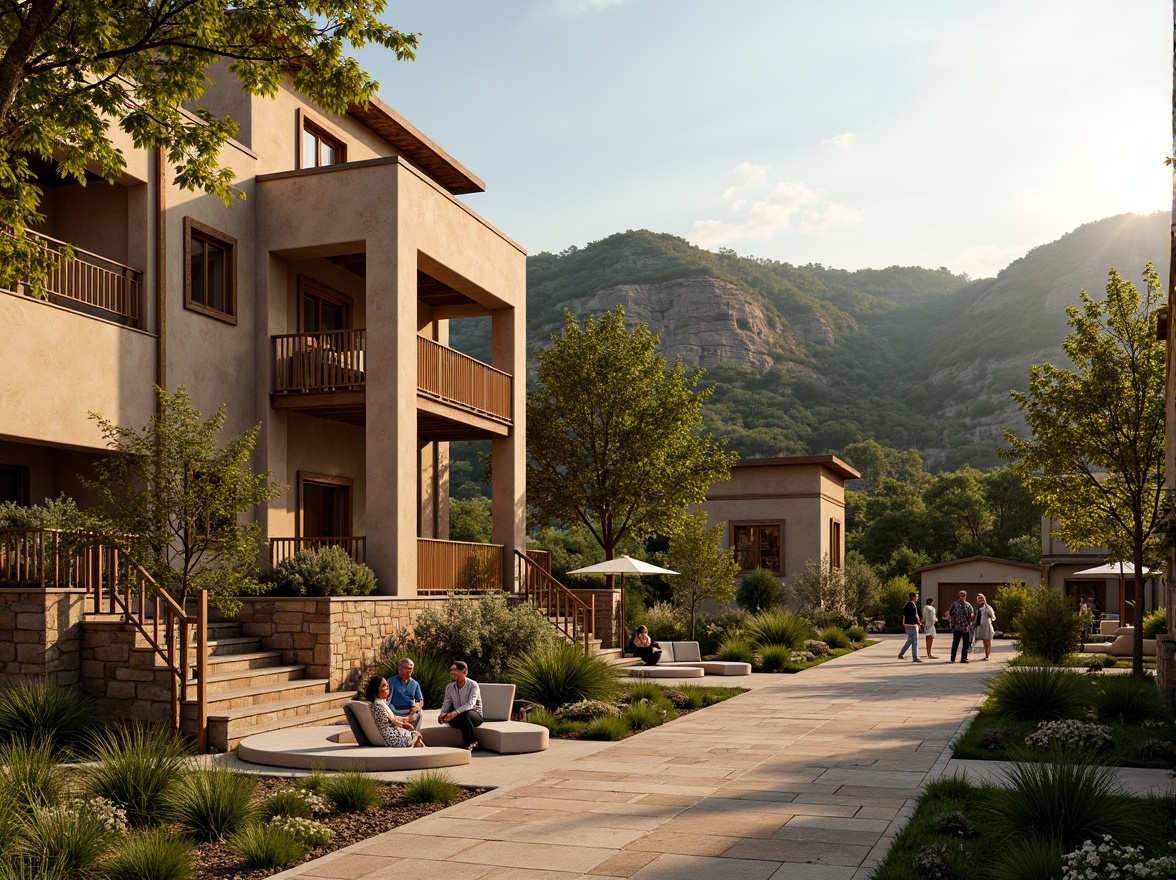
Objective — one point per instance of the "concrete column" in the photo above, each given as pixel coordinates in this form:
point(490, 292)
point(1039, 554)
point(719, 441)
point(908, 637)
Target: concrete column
point(508, 333)
point(391, 432)
point(272, 319)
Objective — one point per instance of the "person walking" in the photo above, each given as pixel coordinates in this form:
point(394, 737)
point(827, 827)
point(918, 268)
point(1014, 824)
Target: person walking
point(985, 618)
point(930, 615)
point(910, 622)
point(962, 616)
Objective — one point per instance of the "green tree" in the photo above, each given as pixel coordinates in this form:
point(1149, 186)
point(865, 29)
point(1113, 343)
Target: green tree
point(1015, 515)
point(823, 589)
point(469, 520)
point(176, 498)
point(894, 516)
point(612, 434)
point(1095, 457)
point(73, 70)
point(958, 517)
point(876, 463)
point(760, 590)
point(705, 569)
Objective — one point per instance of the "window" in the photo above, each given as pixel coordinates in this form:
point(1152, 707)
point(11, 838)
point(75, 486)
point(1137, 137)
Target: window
point(758, 545)
point(318, 148)
point(834, 544)
point(323, 310)
point(210, 276)
point(324, 506)
point(14, 484)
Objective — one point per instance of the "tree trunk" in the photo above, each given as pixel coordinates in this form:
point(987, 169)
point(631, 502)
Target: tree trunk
point(12, 64)
point(1137, 617)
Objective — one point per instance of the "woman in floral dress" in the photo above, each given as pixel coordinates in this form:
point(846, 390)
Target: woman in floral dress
point(397, 732)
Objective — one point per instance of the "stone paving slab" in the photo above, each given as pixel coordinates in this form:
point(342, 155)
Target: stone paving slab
point(804, 777)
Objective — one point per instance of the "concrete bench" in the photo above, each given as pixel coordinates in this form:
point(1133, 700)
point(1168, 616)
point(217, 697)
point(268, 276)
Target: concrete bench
point(1123, 644)
point(334, 748)
point(686, 654)
point(497, 732)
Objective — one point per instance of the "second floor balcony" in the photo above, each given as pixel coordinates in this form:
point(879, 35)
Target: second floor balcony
point(323, 374)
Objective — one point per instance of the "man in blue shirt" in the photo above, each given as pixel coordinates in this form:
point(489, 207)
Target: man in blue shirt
point(406, 698)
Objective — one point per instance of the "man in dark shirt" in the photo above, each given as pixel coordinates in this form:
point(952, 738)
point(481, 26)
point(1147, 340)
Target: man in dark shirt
point(962, 616)
point(910, 622)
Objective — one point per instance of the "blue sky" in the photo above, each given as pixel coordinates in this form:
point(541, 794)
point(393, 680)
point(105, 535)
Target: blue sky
point(840, 132)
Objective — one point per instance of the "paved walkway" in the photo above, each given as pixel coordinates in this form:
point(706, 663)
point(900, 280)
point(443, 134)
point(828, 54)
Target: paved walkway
point(805, 777)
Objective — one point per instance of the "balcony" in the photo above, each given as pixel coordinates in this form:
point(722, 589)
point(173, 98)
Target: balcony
point(458, 397)
point(90, 283)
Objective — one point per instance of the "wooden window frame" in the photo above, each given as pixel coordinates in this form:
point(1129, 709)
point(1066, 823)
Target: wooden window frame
point(323, 292)
point(22, 482)
point(305, 477)
point(321, 133)
point(836, 561)
point(203, 232)
point(758, 523)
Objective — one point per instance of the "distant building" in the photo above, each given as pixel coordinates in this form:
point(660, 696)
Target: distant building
point(975, 574)
point(782, 512)
point(1060, 566)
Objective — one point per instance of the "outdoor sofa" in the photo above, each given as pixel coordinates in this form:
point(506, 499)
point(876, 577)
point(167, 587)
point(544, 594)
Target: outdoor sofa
point(679, 659)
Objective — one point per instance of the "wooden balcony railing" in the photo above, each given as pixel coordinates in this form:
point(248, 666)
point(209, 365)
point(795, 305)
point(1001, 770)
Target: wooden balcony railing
point(331, 361)
point(282, 549)
point(461, 380)
point(90, 279)
point(458, 567)
point(117, 584)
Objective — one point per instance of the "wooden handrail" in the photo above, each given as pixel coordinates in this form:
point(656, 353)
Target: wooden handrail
point(458, 567)
point(282, 549)
point(570, 614)
point(117, 584)
point(459, 379)
point(328, 361)
point(91, 279)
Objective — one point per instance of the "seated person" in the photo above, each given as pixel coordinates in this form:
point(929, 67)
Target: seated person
point(645, 647)
point(462, 706)
point(397, 732)
point(407, 699)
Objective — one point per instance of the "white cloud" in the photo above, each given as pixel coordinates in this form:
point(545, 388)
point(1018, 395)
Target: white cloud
point(759, 210)
point(985, 260)
point(843, 143)
point(579, 7)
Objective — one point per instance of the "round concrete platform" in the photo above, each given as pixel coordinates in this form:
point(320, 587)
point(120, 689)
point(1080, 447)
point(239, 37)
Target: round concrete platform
point(664, 671)
point(334, 748)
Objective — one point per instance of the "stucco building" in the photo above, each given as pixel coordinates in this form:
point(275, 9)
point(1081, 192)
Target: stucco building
point(319, 307)
point(782, 512)
point(976, 574)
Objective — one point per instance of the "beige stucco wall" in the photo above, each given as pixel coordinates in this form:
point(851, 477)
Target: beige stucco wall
point(977, 571)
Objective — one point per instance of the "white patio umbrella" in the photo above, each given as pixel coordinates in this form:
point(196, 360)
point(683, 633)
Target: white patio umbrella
point(1121, 570)
point(622, 565)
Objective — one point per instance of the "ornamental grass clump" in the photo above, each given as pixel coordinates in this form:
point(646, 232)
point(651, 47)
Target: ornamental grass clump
point(1071, 735)
point(267, 846)
point(774, 658)
point(298, 803)
point(734, 649)
point(150, 855)
point(37, 710)
point(779, 628)
point(557, 675)
point(31, 777)
point(1128, 700)
point(696, 697)
point(607, 727)
point(857, 634)
point(1028, 858)
point(353, 792)
point(1039, 693)
point(642, 716)
point(63, 841)
point(834, 637)
point(430, 787)
point(645, 690)
point(212, 803)
point(1112, 861)
point(137, 767)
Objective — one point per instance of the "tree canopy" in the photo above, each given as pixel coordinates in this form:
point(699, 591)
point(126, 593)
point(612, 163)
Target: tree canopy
point(72, 70)
point(705, 569)
point(612, 434)
point(1095, 456)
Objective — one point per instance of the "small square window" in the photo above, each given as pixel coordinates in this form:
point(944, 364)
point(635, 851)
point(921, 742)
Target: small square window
point(210, 276)
point(14, 484)
point(319, 148)
point(758, 545)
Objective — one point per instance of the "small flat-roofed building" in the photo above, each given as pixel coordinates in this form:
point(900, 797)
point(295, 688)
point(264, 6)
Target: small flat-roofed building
point(975, 574)
point(782, 512)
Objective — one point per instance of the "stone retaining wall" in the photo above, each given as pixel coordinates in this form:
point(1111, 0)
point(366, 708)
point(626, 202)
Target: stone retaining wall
point(607, 604)
point(338, 638)
point(121, 672)
point(40, 634)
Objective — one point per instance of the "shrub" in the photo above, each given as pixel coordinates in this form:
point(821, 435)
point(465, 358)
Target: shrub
point(995, 738)
point(712, 630)
point(825, 619)
point(816, 647)
point(1154, 750)
point(642, 716)
point(1128, 699)
point(1048, 625)
point(1094, 665)
point(1028, 859)
point(834, 637)
point(696, 697)
point(298, 803)
point(735, 649)
point(487, 633)
point(1109, 662)
point(308, 831)
point(1062, 799)
point(63, 841)
point(607, 727)
point(327, 571)
point(556, 675)
point(586, 710)
point(857, 634)
point(775, 658)
point(1155, 623)
point(430, 787)
point(267, 846)
point(932, 861)
point(353, 792)
point(1007, 603)
point(430, 671)
point(33, 778)
point(1038, 693)
point(1110, 859)
point(955, 824)
point(151, 855)
point(892, 597)
point(213, 802)
point(667, 623)
point(645, 690)
point(315, 782)
point(137, 767)
point(39, 710)
point(779, 628)
point(1073, 735)
point(760, 590)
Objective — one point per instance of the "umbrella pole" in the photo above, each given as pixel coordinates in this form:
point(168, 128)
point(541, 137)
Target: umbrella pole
point(624, 638)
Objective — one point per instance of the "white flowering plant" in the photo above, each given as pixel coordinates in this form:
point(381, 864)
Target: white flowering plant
point(1111, 861)
point(310, 832)
point(105, 811)
point(1077, 735)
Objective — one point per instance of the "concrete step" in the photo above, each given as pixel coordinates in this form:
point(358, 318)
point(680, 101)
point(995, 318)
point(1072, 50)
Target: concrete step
point(223, 629)
point(219, 646)
point(238, 679)
point(261, 694)
point(226, 728)
point(244, 660)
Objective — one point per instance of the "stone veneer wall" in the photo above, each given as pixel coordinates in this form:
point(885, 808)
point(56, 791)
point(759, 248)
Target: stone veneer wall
point(607, 603)
point(338, 638)
point(40, 634)
point(121, 672)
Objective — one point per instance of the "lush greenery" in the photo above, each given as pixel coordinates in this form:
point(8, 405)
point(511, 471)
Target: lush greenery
point(1094, 458)
point(326, 571)
point(38, 711)
point(555, 675)
point(705, 569)
point(176, 496)
point(1048, 625)
point(760, 590)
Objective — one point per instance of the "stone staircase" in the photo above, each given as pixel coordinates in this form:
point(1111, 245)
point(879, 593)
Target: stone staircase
point(251, 690)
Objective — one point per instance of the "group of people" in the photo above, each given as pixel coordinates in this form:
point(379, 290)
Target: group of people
point(398, 706)
point(968, 625)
